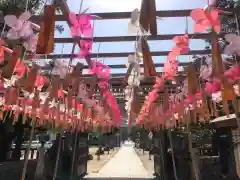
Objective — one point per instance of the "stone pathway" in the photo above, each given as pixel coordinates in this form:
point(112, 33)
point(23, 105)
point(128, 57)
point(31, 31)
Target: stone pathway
point(124, 165)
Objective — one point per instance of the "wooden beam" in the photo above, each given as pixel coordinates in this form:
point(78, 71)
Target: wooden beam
point(117, 80)
point(133, 38)
point(122, 66)
point(125, 38)
point(120, 54)
point(122, 15)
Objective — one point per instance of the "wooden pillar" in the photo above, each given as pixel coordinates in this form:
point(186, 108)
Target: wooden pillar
point(226, 152)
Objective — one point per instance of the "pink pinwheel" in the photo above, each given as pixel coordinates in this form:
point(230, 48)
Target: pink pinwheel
point(81, 25)
point(236, 89)
point(234, 44)
point(198, 95)
point(20, 69)
point(170, 67)
point(206, 69)
point(90, 102)
point(217, 96)
point(158, 83)
point(182, 45)
point(60, 94)
point(82, 91)
point(213, 87)
point(205, 19)
point(233, 73)
point(101, 70)
point(188, 100)
point(60, 68)
point(31, 43)
point(205, 72)
point(85, 48)
point(40, 81)
point(3, 50)
point(20, 27)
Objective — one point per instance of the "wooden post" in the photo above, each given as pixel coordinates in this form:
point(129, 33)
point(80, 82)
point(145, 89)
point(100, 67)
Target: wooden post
point(74, 155)
point(193, 155)
point(58, 156)
point(172, 153)
point(28, 150)
point(162, 145)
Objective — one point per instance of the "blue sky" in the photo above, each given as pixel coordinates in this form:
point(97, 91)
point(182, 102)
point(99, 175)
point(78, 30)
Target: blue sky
point(120, 28)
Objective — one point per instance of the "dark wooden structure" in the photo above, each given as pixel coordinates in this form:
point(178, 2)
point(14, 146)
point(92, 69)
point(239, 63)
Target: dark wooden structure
point(209, 166)
point(160, 151)
point(228, 140)
point(66, 157)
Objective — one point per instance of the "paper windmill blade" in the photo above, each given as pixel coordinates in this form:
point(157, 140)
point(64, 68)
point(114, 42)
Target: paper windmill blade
point(134, 26)
point(60, 68)
point(182, 45)
point(9, 83)
point(81, 25)
point(20, 27)
point(234, 44)
point(217, 96)
point(31, 43)
point(205, 72)
point(43, 96)
point(204, 19)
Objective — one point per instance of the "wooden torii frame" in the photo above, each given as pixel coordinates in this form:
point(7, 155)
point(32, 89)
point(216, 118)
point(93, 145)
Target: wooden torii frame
point(117, 79)
point(122, 15)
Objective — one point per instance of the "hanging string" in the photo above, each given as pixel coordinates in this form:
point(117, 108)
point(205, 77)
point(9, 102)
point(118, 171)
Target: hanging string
point(74, 44)
point(237, 24)
point(4, 27)
point(99, 46)
point(26, 7)
point(186, 28)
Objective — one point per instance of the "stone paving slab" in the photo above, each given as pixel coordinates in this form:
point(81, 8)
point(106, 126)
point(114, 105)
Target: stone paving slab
point(124, 165)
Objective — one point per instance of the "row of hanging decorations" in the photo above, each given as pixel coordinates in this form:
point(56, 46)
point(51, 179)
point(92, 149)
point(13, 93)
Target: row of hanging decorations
point(202, 92)
point(62, 100)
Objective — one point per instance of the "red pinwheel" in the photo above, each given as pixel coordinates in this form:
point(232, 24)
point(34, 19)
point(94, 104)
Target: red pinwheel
point(233, 74)
point(182, 45)
point(206, 19)
point(40, 81)
point(170, 67)
point(20, 69)
point(81, 25)
point(85, 48)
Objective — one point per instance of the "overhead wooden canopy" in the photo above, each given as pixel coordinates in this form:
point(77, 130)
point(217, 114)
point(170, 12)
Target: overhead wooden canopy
point(120, 54)
point(121, 66)
point(118, 79)
point(123, 15)
point(132, 38)
point(149, 6)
